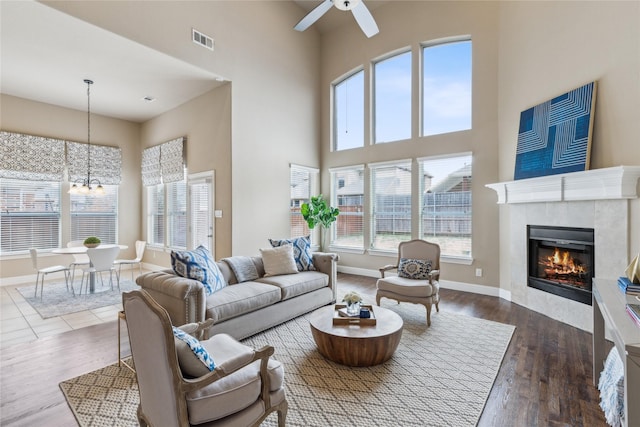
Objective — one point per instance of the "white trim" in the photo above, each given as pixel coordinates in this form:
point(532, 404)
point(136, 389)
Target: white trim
point(446, 156)
point(347, 168)
point(304, 168)
point(400, 162)
point(618, 182)
point(445, 284)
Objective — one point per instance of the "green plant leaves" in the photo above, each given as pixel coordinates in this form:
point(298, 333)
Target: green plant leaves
point(319, 212)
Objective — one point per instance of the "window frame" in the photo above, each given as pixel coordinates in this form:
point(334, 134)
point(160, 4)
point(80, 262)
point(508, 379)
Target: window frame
point(335, 110)
point(54, 219)
point(421, 79)
point(374, 94)
point(461, 258)
point(335, 202)
point(373, 205)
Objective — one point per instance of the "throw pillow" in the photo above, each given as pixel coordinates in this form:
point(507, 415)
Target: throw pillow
point(243, 268)
point(416, 269)
point(198, 265)
point(278, 261)
point(193, 358)
point(301, 251)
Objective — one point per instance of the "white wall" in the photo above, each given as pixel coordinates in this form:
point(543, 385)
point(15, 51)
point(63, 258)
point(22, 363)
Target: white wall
point(548, 48)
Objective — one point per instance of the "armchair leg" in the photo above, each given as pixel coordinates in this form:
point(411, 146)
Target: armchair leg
point(428, 307)
point(282, 413)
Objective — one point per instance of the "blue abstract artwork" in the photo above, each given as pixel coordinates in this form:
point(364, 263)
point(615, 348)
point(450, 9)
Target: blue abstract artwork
point(555, 137)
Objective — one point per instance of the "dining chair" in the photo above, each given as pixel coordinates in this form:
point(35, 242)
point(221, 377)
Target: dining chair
point(102, 260)
point(140, 246)
point(47, 270)
point(79, 260)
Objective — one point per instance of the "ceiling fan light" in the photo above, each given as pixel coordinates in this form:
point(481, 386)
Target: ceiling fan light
point(345, 4)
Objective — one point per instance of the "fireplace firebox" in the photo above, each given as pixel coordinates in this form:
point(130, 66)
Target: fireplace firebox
point(561, 261)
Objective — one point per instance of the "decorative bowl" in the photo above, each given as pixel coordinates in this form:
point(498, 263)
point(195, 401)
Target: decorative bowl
point(92, 245)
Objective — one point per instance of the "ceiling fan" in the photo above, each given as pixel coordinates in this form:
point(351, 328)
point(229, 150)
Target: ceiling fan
point(357, 7)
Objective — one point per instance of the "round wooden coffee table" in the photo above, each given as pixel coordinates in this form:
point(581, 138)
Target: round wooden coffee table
point(355, 345)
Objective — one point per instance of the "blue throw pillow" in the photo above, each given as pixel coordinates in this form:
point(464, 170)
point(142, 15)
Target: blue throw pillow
point(198, 265)
point(301, 251)
point(198, 350)
point(416, 269)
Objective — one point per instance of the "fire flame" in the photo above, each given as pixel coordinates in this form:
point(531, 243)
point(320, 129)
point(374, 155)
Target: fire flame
point(563, 263)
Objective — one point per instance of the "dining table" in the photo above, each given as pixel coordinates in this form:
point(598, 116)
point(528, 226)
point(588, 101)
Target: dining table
point(81, 250)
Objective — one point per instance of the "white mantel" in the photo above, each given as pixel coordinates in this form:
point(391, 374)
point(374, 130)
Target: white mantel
point(618, 182)
point(597, 199)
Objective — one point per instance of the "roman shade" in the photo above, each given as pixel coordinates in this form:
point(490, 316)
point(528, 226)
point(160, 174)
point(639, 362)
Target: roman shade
point(106, 162)
point(163, 163)
point(31, 158)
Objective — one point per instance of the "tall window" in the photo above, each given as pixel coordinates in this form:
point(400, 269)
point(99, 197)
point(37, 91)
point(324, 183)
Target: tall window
point(392, 95)
point(176, 214)
point(348, 112)
point(390, 204)
point(445, 205)
point(29, 215)
point(302, 184)
point(446, 88)
point(347, 194)
point(95, 215)
point(155, 215)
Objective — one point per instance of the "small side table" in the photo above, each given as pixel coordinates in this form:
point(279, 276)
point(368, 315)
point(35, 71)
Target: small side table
point(122, 318)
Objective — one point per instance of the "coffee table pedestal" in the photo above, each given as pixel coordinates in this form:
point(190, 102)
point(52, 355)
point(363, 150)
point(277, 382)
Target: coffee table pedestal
point(355, 345)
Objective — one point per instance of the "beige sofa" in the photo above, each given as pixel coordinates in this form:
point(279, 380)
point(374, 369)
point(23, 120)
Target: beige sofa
point(244, 309)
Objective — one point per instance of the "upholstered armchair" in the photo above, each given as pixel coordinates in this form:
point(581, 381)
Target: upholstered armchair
point(234, 385)
point(418, 269)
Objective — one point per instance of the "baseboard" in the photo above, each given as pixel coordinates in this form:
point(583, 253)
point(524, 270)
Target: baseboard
point(446, 284)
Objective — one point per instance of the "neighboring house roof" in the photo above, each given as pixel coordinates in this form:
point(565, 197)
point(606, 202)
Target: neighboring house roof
point(452, 180)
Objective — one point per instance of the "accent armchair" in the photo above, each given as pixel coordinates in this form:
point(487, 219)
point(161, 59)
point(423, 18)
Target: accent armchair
point(244, 387)
point(418, 269)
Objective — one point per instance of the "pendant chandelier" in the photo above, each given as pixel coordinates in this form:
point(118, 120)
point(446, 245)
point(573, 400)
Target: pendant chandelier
point(86, 187)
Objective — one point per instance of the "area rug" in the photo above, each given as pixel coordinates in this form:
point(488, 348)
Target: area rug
point(58, 301)
point(439, 376)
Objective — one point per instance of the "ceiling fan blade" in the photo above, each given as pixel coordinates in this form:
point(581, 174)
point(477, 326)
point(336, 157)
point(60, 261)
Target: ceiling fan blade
point(365, 19)
point(314, 15)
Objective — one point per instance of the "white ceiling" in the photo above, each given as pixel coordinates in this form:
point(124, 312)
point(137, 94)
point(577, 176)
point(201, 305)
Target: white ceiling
point(45, 55)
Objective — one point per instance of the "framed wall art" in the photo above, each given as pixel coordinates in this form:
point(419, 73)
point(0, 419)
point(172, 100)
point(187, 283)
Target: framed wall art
point(555, 137)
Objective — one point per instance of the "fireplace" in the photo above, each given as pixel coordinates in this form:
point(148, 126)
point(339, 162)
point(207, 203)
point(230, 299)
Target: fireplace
point(561, 261)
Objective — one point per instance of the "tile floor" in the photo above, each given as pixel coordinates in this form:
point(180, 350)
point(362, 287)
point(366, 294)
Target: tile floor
point(20, 323)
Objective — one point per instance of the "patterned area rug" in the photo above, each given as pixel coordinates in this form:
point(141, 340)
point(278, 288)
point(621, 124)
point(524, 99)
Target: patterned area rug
point(58, 301)
point(439, 376)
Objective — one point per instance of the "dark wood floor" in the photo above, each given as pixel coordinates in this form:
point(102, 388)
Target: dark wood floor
point(545, 378)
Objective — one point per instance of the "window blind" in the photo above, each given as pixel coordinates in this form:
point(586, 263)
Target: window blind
point(302, 183)
point(446, 203)
point(155, 215)
point(347, 194)
point(390, 204)
point(177, 214)
point(32, 158)
point(29, 215)
point(95, 215)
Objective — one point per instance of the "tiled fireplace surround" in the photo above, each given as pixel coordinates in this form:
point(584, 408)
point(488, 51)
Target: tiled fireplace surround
point(597, 199)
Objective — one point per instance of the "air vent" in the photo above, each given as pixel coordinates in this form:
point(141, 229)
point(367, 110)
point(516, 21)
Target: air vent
point(202, 39)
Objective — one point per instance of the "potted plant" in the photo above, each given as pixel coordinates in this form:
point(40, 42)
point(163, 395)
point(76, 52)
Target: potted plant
point(91, 242)
point(318, 212)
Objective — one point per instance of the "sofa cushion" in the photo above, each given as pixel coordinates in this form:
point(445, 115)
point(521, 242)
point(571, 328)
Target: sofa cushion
point(193, 357)
point(243, 268)
point(416, 269)
point(278, 260)
point(235, 300)
point(198, 265)
point(293, 285)
point(301, 251)
point(234, 392)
